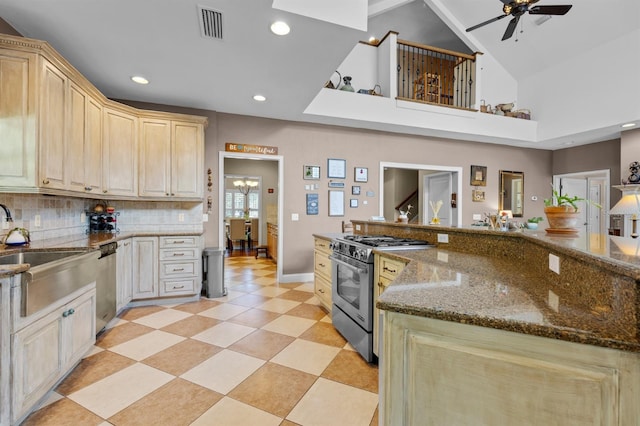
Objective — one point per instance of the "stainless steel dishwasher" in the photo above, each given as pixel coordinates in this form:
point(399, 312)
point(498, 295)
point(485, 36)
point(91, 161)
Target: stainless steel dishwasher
point(106, 286)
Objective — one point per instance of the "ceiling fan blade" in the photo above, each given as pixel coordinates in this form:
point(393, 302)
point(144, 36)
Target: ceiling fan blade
point(497, 18)
point(511, 28)
point(550, 10)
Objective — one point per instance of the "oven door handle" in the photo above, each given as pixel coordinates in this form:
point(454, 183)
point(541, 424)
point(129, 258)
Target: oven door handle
point(360, 270)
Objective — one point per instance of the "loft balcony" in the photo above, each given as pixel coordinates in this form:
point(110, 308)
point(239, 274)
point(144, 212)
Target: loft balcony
point(413, 88)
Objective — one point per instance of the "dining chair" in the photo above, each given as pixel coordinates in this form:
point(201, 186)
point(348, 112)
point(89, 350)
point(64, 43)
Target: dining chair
point(237, 231)
point(254, 234)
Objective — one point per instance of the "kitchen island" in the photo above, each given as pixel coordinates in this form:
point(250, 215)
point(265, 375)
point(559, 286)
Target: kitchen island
point(480, 331)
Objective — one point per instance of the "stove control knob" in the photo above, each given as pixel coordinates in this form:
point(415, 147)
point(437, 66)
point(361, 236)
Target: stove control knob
point(361, 254)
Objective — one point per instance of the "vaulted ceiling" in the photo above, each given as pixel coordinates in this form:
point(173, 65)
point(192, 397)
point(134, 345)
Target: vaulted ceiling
point(110, 41)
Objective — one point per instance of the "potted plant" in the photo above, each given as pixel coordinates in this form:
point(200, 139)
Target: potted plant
point(532, 222)
point(562, 212)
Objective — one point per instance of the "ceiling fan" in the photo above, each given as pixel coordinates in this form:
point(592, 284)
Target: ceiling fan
point(517, 8)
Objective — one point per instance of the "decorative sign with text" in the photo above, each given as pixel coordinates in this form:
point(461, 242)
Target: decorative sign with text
point(251, 149)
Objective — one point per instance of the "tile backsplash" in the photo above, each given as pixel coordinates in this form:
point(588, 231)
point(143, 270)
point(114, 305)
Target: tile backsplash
point(62, 216)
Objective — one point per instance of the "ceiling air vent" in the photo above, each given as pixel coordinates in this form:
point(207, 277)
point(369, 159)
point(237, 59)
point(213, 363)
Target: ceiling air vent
point(210, 23)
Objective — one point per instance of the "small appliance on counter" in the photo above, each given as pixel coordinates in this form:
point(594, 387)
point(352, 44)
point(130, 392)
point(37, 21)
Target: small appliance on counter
point(17, 237)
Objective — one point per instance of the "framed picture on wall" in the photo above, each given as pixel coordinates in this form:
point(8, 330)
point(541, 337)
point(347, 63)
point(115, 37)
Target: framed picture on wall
point(477, 195)
point(355, 190)
point(311, 172)
point(479, 175)
point(336, 203)
point(336, 168)
point(361, 174)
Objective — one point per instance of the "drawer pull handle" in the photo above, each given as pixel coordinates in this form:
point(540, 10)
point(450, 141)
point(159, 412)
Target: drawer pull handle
point(69, 312)
point(393, 271)
point(178, 254)
point(178, 269)
point(88, 188)
point(320, 291)
point(321, 265)
point(178, 242)
point(177, 287)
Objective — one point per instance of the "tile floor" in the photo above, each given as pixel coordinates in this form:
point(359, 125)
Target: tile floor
point(265, 354)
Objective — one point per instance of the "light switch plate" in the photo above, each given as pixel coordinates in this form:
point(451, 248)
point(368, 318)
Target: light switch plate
point(205, 217)
point(36, 221)
point(295, 217)
point(443, 238)
point(181, 217)
point(554, 301)
point(477, 216)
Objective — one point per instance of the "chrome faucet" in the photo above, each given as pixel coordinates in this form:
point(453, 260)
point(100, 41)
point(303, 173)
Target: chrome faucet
point(7, 212)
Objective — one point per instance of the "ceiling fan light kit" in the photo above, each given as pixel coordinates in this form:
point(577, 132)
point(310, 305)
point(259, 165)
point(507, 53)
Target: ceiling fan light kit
point(517, 8)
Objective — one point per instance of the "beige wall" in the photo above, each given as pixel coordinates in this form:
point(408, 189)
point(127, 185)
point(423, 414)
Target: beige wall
point(308, 144)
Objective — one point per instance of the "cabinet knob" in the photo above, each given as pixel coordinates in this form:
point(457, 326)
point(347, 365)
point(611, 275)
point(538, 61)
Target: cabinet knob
point(88, 188)
point(45, 181)
point(321, 290)
point(104, 191)
point(166, 193)
point(172, 194)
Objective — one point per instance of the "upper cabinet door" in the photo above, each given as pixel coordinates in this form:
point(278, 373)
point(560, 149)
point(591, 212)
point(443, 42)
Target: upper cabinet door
point(93, 147)
point(187, 159)
point(17, 118)
point(120, 167)
point(52, 127)
point(155, 158)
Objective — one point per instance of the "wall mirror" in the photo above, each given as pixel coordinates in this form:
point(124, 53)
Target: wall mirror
point(511, 192)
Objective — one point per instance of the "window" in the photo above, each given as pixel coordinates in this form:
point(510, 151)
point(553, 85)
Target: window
point(234, 204)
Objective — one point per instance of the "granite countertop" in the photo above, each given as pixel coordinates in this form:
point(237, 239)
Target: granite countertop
point(78, 241)
point(507, 294)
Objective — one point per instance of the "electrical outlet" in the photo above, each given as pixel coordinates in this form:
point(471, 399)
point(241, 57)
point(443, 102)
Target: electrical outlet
point(554, 263)
point(205, 217)
point(443, 238)
point(36, 221)
point(357, 227)
point(83, 217)
point(181, 217)
point(553, 301)
point(477, 216)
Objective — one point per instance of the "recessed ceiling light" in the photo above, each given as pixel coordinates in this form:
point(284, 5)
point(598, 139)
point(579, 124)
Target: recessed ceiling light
point(280, 28)
point(259, 98)
point(628, 125)
point(139, 79)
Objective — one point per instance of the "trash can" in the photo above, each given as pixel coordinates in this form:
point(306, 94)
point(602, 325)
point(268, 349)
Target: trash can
point(213, 272)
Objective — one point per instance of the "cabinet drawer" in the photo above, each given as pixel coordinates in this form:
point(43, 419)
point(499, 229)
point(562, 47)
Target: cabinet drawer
point(322, 245)
point(178, 287)
point(322, 289)
point(179, 241)
point(185, 269)
point(322, 265)
point(180, 254)
point(390, 268)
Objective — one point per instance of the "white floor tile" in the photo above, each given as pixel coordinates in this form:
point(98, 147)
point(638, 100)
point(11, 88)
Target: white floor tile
point(279, 306)
point(224, 334)
point(147, 345)
point(306, 356)
point(224, 311)
point(162, 318)
point(305, 287)
point(94, 350)
point(270, 291)
point(289, 325)
point(229, 412)
point(110, 395)
point(223, 371)
point(329, 403)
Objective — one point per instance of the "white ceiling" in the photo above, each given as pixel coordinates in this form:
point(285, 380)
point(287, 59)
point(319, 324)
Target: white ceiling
point(110, 41)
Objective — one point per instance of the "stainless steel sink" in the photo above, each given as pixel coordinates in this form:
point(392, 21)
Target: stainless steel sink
point(52, 275)
point(37, 258)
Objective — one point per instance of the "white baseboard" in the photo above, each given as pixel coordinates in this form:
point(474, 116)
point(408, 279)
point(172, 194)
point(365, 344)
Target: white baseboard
point(292, 278)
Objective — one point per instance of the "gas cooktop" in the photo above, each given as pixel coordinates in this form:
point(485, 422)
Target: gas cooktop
point(384, 241)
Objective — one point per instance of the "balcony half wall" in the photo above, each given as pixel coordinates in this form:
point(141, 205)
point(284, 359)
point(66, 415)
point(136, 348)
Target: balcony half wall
point(357, 110)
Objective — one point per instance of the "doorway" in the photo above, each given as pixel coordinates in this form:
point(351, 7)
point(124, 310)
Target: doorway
point(591, 185)
point(447, 192)
point(230, 163)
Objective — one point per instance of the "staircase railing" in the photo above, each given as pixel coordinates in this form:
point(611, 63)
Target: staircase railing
point(436, 76)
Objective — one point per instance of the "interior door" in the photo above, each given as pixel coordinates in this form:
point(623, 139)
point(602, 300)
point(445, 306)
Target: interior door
point(438, 187)
point(577, 187)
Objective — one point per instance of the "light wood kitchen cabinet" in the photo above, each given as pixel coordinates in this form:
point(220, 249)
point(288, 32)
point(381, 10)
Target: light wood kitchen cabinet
point(272, 241)
point(144, 264)
point(45, 350)
point(120, 153)
point(124, 282)
point(438, 372)
point(170, 158)
point(84, 141)
point(322, 272)
point(180, 266)
point(18, 110)
point(52, 131)
point(385, 270)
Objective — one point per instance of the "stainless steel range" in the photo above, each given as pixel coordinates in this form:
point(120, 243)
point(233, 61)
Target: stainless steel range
point(352, 285)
